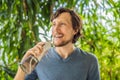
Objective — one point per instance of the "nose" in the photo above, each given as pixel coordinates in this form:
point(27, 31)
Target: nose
point(55, 28)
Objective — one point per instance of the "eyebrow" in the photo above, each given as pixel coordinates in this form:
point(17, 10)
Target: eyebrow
point(61, 21)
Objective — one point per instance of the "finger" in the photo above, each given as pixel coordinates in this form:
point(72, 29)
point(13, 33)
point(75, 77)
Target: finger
point(28, 53)
point(41, 43)
point(40, 48)
point(31, 52)
point(35, 51)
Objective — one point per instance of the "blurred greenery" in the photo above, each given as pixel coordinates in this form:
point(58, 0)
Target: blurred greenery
point(23, 23)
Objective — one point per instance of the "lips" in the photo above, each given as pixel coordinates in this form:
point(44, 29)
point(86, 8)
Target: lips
point(58, 36)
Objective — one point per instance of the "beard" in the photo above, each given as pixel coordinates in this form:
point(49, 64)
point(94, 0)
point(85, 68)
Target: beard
point(63, 43)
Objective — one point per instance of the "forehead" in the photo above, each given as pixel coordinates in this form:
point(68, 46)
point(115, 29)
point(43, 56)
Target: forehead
point(65, 16)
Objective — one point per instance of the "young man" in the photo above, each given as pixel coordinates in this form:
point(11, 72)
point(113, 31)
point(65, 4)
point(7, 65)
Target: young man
point(64, 61)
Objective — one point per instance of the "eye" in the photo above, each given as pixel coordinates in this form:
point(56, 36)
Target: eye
point(53, 24)
point(62, 24)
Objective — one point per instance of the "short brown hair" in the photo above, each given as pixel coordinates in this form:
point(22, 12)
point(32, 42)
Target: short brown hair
point(76, 21)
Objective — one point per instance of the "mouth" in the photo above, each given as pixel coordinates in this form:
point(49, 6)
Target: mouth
point(57, 36)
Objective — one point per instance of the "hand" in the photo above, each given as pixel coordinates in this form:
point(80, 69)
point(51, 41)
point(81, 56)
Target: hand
point(35, 51)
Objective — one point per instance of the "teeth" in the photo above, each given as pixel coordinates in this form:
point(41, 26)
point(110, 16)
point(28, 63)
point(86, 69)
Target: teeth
point(59, 35)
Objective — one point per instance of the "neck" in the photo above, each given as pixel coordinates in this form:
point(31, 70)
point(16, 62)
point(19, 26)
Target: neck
point(65, 50)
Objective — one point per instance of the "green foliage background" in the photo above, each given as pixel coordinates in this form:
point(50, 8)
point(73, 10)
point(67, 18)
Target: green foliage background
point(25, 22)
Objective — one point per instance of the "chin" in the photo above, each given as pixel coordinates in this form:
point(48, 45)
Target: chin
point(56, 44)
point(60, 44)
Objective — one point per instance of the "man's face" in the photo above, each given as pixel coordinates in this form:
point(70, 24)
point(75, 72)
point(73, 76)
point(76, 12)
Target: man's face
point(62, 30)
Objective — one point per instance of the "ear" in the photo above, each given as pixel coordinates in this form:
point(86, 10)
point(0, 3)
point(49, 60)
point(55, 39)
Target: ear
point(75, 31)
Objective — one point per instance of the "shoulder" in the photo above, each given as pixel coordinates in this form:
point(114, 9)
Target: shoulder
point(87, 55)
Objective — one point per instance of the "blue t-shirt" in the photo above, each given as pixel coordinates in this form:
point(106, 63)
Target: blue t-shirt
point(77, 66)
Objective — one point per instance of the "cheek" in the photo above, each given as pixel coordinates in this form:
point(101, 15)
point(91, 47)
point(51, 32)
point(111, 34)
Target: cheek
point(70, 32)
point(52, 31)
